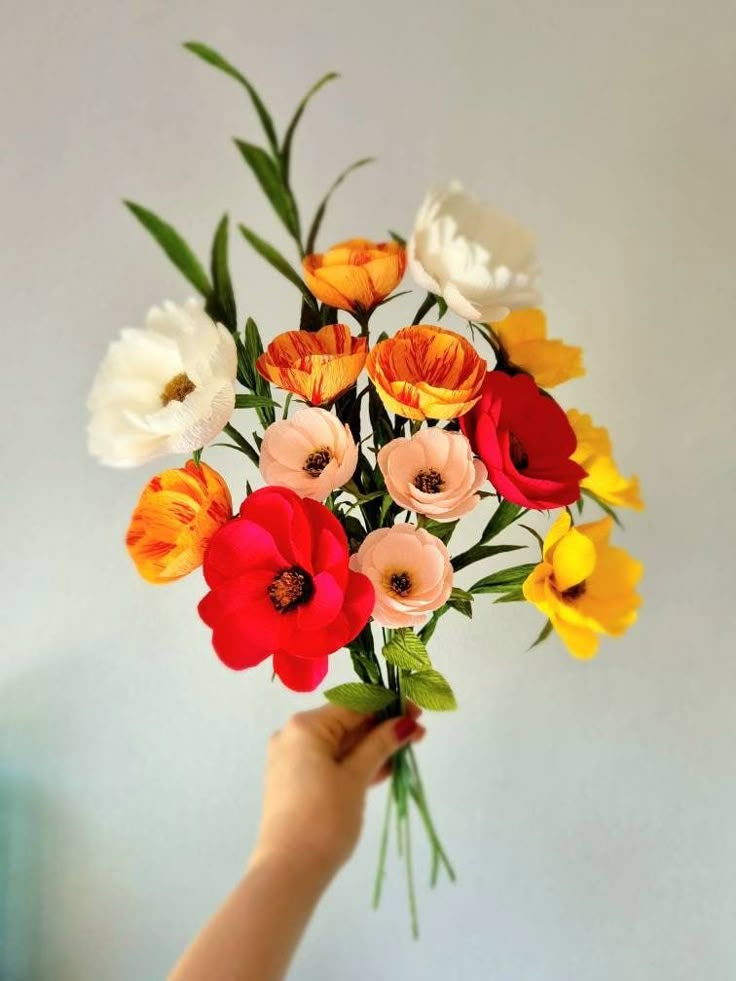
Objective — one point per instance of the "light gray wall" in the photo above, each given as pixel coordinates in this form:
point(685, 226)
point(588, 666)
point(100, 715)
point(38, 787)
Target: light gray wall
point(588, 807)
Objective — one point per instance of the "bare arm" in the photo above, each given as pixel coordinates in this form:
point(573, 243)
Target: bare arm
point(319, 769)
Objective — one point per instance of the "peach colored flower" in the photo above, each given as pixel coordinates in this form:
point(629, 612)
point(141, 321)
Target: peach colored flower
point(433, 473)
point(312, 453)
point(410, 571)
point(317, 366)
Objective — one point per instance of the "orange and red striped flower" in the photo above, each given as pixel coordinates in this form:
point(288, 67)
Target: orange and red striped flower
point(177, 514)
point(319, 366)
point(426, 372)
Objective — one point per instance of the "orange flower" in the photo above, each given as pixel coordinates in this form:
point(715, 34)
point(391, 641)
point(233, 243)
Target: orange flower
point(318, 366)
point(177, 514)
point(355, 275)
point(427, 372)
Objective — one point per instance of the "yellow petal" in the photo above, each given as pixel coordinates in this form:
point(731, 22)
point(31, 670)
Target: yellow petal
point(521, 326)
point(573, 559)
point(558, 529)
point(580, 642)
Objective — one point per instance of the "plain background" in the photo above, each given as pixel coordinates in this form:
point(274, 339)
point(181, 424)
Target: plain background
point(588, 807)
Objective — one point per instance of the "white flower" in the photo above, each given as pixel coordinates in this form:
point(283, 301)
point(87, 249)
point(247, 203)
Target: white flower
point(481, 262)
point(166, 388)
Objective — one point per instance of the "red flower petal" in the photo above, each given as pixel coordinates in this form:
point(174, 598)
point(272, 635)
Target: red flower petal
point(279, 510)
point(299, 673)
point(237, 548)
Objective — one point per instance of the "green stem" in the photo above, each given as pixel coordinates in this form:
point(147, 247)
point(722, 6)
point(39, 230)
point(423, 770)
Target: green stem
point(426, 305)
point(410, 880)
point(383, 849)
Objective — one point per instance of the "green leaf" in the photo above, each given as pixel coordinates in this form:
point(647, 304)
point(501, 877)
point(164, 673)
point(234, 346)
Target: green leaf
point(543, 635)
point(252, 349)
point(514, 595)
point(579, 504)
point(215, 59)
point(499, 582)
point(222, 299)
point(397, 238)
point(361, 697)
point(479, 552)
point(241, 442)
point(254, 402)
point(365, 669)
point(535, 534)
point(174, 246)
point(462, 601)
point(441, 307)
point(604, 507)
point(289, 135)
point(275, 259)
point(380, 422)
point(504, 515)
point(425, 634)
point(320, 213)
point(430, 690)
point(440, 529)
point(268, 175)
point(406, 650)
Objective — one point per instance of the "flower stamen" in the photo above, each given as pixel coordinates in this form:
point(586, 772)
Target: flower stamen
point(317, 461)
point(428, 481)
point(574, 592)
point(290, 588)
point(519, 456)
point(400, 583)
point(177, 389)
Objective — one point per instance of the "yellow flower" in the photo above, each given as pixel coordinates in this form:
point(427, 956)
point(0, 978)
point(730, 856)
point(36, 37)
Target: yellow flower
point(584, 585)
point(594, 455)
point(523, 337)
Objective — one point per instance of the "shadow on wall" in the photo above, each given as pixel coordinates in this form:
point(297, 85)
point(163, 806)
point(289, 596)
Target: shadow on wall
point(21, 819)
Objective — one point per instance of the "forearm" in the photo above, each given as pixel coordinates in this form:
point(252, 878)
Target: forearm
point(254, 934)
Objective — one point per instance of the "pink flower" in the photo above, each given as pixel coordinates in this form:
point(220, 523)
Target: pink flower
point(312, 453)
point(410, 571)
point(433, 473)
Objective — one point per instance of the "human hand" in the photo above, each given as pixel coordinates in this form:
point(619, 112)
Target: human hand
point(319, 768)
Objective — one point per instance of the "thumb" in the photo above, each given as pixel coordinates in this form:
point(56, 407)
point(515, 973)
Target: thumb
point(373, 753)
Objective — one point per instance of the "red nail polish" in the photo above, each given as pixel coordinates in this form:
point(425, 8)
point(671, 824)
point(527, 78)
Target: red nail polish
point(405, 727)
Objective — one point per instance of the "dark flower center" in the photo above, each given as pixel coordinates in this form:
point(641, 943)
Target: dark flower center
point(428, 481)
point(317, 461)
point(519, 456)
point(290, 588)
point(400, 583)
point(177, 389)
point(574, 591)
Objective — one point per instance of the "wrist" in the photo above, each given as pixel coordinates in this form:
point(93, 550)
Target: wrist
point(303, 863)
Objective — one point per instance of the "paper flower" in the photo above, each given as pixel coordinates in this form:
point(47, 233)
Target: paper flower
point(313, 453)
point(280, 585)
point(525, 441)
point(176, 516)
point(317, 366)
point(585, 586)
point(355, 275)
point(433, 473)
point(410, 571)
point(426, 372)
point(165, 388)
point(594, 454)
point(523, 339)
point(481, 262)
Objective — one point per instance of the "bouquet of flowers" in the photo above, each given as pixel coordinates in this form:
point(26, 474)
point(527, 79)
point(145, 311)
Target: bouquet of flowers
point(371, 448)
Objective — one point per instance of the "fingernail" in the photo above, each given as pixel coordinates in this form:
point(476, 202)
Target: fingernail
point(404, 728)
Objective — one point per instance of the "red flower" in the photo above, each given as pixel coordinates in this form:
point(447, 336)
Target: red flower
point(280, 585)
point(525, 441)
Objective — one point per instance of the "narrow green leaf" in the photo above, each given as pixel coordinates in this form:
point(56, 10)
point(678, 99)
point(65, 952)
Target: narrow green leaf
point(397, 238)
point(441, 307)
point(499, 582)
point(174, 246)
point(430, 626)
point(266, 171)
point(440, 529)
point(579, 504)
point(462, 601)
point(361, 697)
point(320, 213)
point(514, 595)
point(534, 533)
point(249, 350)
point(215, 59)
point(291, 129)
point(504, 515)
point(479, 552)
point(274, 258)
point(603, 506)
point(254, 402)
point(430, 690)
point(543, 635)
point(223, 297)
point(406, 650)
point(241, 442)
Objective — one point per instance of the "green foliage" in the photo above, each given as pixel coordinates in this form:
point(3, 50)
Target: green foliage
point(241, 443)
point(430, 690)
point(221, 302)
point(440, 529)
point(501, 581)
point(274, 258)
point(291, 128)
point(462, 601)
point(603, 506)
point(504, 515)
point(174, 246)
point(381, 423)
point(479, 552)
point(542, 635)
point(268, 174)
point(406, 650)
point(361, 697)
point(249, 350)
point(254, 402)
point(215, 59)
point(320, 213)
